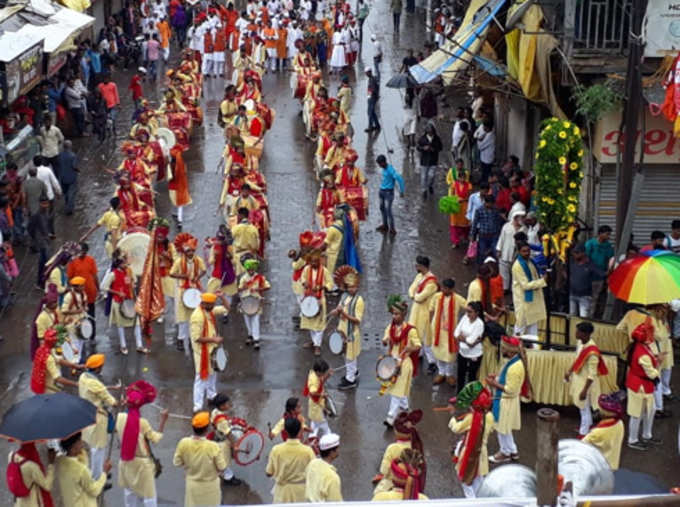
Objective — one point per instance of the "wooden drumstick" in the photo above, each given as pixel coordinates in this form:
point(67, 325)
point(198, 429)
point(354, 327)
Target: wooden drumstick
point(442, 409)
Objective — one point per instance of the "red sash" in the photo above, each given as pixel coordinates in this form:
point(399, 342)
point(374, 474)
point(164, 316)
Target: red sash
point(315, 397)
point(402, 341)
point(453, 346)
point(121, 283)
point(315, 289)
point(257, 279)
point(205, 357)
point(424, 282)
point(583, 356)
point(186, 284)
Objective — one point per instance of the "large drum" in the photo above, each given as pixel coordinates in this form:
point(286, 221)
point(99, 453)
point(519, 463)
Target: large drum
point(250, 305)
point(135, 246)
point(386, 368)
point(219, 359)
point(253, 148)
point(357, 197)
point(249, 442)
point(191, 298)
point(179, 120)
point(310, 307)
point(167, 137)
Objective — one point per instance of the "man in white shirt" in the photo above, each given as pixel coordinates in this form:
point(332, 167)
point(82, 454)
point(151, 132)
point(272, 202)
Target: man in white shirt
point(505, 248)
point(377, 55)
point(458, 133)
point(46, 175)
point(486, 143)
point(51, 140)
point(672, 241)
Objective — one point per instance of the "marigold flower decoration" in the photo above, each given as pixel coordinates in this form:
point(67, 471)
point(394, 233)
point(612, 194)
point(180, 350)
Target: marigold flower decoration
point(558, 173)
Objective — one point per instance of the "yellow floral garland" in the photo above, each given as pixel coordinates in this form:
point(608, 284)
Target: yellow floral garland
point(558, 169)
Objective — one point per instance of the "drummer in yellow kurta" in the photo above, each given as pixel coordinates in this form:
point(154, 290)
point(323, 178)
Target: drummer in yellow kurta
point(334, 239)
point(316, 280)
point(404, 473)
point(422, 289)
point(187, 269)
point(527, 293)
point(287, 465)
point(473, 458)
point(136, 469)
point(92, 389)
point(203, 462)
point(221, 247)
point(219, 418)
point(350, 311)
point(78, 486)
point(322, 482)
point(583, 375)
point(402, 343)
point(246, 239)
point(607, 435)
point(315, 390)
point(445, 308)
point(113, 220)
point(50, 315)
point(204, 340)
point(506, 403)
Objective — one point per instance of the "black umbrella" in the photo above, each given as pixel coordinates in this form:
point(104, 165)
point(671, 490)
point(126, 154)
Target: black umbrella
point(403, 80)
point(47, 416)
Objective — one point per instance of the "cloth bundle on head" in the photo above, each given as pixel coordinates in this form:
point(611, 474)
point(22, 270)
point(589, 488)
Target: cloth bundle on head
point(611, 404)
point(511, 343)
point(251, 264)
point(395, 302)
point(404, 428)
point(318, 240)
point(474, 395)
point(138, 393)
point(185, 241)
point(305, 239)
point(406, 473)
point(346, 276)
point(644, 333)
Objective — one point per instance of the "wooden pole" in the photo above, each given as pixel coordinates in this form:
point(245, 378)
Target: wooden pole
point(546, 456)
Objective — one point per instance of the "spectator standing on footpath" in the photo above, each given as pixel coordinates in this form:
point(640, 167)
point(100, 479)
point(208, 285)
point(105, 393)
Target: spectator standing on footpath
point(486, 143)
point(109, 91)
point(51, 139)
point(136, 88)
point(389, 177)
point(17, 202)
point(486, 227)
point(599, 250)
point(47, 176)
point(505, 248)
point(68, 176)
point(657, 240)
point(672, 241)
point(362, 13)
point(582, 274)
point(377, 56)
point(429, 146)
point(37, 206)
point(153, 53)
point(74, 101)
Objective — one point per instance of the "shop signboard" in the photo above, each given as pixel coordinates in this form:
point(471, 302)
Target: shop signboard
point(660, 145)
point(23, 73)
point(56, 62)
point(662, 28)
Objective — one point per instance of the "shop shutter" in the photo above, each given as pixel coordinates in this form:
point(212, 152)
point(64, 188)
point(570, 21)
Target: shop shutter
point(658, 205)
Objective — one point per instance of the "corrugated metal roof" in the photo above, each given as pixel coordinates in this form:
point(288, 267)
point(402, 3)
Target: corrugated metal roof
point(12, 44)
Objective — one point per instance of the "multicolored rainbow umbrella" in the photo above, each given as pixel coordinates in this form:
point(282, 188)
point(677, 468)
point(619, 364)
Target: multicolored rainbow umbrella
point(649, 278)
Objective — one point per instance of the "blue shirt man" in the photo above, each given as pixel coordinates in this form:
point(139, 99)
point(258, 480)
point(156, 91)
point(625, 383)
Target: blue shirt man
point(389, 177)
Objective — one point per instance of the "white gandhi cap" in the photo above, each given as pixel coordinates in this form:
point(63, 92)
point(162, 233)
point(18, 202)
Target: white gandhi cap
point(329, 441)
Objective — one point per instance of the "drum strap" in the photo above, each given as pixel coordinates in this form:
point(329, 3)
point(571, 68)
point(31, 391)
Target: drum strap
point(352, 308)
point(255, 281)
point(451, 317)
point(194, 267)
point(316, 288)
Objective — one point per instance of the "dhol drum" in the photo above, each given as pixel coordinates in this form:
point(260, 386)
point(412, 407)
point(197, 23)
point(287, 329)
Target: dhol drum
point(357, 197)
point(85, 329)
point(330, 409)
point(167, 136)
point(310, 307)
point(127, 308)
point(248, 448)
point(337, 342)
point(250, 305)
point(386, 368)
point(135, 246)
point(191, 298)
point(69, 352)
point(219, 358)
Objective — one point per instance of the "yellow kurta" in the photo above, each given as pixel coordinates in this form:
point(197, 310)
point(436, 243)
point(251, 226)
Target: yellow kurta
point(296, 285)
point(34, 479)
point(315, 411)
point(608, 441)
point(527, 313)
point(246, 240)
point(398, 494)
point(442, 351)
point(392, 452)
point(345, 98)
point(402, 387)
point(510, 417)
point(168, 283)
point(74, 301)
point(287, 465)
point(47, 319)
point(578, 379)
point(114, 223)
point(77, 486)
point(222, 431)
point(182, 313)
point(202, 461)
point(334, 235)
point(215, 284)
point(57, 279)
point(474, 291)
point(138, 474)
point(631, 320)
point(639, 402)
point(245, 291)
point(197, 323)
point(322, 482)
point(52, 373)
point(92, 389)
point(353, 348)
point(463, 426)
point(317, 323)
point(420, 311)
point(662, 335)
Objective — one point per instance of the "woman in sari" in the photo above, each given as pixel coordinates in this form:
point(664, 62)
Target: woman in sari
point(459, 186)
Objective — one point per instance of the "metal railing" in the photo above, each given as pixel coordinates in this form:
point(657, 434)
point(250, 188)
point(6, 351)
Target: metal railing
point(600, 26)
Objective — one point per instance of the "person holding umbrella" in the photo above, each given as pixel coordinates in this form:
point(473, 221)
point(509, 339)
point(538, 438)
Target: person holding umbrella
point(77, 484)
point(136, 470)
point(92, 389)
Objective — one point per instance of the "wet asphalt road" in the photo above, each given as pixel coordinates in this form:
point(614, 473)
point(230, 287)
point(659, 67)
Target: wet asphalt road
point(259, 383)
